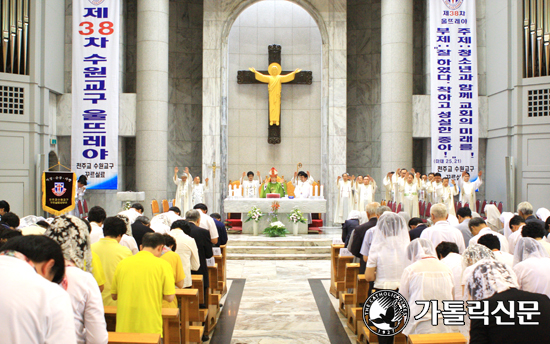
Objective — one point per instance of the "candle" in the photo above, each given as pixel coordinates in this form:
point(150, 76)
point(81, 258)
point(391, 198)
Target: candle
point(317, 190)
point(322, 187)
point(240, 191)
point(229, 194)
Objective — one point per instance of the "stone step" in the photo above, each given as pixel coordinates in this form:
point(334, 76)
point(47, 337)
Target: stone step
point(285, 242)
point(278, 250)
point(300, 256)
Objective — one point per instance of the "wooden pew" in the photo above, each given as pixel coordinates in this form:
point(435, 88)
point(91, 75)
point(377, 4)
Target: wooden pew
point(334, 253)
point(346, 298)
point(221, 261)
point(133, 338)
point(359, 297)
point(197, 283)
point(214, 296)
point(437, 338)
point(188, 301)
point(170, 323)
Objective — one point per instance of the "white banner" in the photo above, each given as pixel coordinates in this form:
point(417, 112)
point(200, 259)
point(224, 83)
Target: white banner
point(95, 90)
point(454, 95)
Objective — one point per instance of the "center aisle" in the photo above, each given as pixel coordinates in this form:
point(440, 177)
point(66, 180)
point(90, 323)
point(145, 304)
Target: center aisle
point(277, 304)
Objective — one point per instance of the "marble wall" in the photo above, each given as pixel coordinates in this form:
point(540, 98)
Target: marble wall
point(363, 88)
point(330, 16)
point(296, 31)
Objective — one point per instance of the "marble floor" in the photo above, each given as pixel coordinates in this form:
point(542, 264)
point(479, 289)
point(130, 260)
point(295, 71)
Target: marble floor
point(283, 301)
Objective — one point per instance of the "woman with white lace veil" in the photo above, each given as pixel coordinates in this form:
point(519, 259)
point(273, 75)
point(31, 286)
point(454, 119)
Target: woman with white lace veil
point(505, 218)
point(532, 266)
point(425, 279)
point(493, 217)
point(388, 254)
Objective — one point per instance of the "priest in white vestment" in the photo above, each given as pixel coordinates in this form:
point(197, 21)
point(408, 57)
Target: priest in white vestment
point(410, 190)
point(446, 195)
point(183, 192)
point(198, 191)
point(434, 188)
point(356, 184)
point(345, 198)
point(302, 182)
point(468, 189)
point(250, 185)
point(398, 182)
point(365, 193)
point(388, 186)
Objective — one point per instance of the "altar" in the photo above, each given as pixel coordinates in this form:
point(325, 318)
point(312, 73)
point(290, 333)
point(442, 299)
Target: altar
point(244, 205)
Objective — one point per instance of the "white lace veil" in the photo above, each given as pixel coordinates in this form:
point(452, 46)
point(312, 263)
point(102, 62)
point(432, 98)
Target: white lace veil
point(475, 253)
point(543, 214)
point(505, 218)
point(420, 248)
point(489, 277)
point(354, 215)
point(528, 248)
point(493, 216)
point(392, 235)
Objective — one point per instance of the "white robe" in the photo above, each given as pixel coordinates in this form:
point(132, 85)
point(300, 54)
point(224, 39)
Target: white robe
point(468, 192)
point(397, 184)
point(250, 188)
point(302, 189)
point(183, 193)
point(410, 199)
point(445, 195)
point(365, 195)
point(433, 189)
point(345, 201)
point(388, 185)
point(197, 194)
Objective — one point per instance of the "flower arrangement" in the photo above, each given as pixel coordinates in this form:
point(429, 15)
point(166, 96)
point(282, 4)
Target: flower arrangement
point(255, 214)
point(296, 216)
point(275, 207)
point(276, 229)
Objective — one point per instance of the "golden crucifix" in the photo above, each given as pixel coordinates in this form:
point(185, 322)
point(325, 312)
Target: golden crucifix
point(274, 81)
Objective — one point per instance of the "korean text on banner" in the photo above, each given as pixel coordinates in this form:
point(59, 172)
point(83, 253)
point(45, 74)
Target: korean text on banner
point(454, 89)
point(95, 90)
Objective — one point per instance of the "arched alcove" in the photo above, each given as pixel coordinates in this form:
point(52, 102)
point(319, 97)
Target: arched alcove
point(287, 24)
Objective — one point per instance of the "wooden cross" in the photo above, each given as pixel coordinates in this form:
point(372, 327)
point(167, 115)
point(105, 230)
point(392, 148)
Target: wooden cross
point(301, 78)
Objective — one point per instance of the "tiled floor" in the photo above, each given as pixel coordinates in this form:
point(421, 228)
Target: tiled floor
point(277, 304)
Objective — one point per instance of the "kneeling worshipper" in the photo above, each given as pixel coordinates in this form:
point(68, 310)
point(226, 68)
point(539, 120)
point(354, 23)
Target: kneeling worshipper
point(493, 217)
point(447, 252)
point(532, 266)
point(388, 256)
point(490, 281)
point(140, 284)
point(425, 279)
point(127, 239)
point(135, 211)
point(492, 243)
point(72, 234)
point(33, 309)
point(183, 191)
point(272, 186)
point(169, 255)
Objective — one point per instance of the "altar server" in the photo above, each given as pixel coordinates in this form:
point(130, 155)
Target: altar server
point(302, 182)
point(250, 185)
point(198, 191)
point(365, 193)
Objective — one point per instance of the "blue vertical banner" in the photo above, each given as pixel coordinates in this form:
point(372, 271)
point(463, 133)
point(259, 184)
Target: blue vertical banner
point(95, 91)
point(454, 88)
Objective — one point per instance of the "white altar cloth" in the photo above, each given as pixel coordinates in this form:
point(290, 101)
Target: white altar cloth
point(244, 205)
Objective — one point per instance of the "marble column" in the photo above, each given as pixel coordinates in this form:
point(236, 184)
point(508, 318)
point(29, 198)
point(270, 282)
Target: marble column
point(396, 84)
point(152, 99)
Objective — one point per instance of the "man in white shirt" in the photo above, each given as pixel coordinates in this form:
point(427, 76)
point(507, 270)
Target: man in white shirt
point(135, 211)
point(493, 243)
point(251, 186)
point(34, 310)
point(516, 224)
point(464, 215)
point(186, 248)
point(207, 222)
point(442, 230)
point(447, 252)
point(96, 216)
point(478, 227)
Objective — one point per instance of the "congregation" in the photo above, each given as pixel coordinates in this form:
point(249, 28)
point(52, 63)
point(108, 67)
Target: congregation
point(100, 262)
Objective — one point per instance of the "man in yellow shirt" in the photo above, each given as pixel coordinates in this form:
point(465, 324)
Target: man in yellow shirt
point(140, 285)
point(175, 263)
point(110, 253)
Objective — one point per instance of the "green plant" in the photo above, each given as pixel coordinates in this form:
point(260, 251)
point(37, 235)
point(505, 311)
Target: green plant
point(276, 229)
